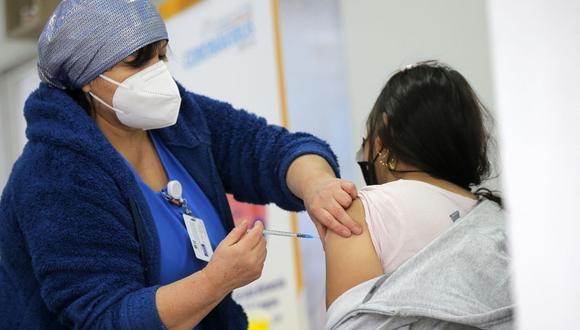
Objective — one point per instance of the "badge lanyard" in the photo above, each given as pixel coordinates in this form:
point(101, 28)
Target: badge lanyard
point(195, 227)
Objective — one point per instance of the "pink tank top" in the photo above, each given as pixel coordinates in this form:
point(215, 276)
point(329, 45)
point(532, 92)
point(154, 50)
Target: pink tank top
point(404, 216)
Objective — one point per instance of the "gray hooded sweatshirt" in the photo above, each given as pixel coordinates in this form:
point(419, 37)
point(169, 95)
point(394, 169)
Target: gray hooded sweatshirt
point(459, 281)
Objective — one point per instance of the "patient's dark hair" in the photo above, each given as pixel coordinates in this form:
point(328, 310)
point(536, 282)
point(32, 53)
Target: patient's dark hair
point(140, 57)
point(435, 123)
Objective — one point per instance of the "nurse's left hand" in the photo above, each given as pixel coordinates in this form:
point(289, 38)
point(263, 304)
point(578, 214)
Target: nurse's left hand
point(326, 202)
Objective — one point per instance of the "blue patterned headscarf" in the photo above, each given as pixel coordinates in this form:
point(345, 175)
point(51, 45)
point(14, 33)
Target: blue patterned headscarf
point(84, 38)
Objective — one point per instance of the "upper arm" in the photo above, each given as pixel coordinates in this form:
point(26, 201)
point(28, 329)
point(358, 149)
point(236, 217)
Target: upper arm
point(350, 261)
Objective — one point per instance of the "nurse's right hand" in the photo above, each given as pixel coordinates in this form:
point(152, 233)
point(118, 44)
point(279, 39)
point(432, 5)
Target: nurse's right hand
point(239, 258)
point(237, 261)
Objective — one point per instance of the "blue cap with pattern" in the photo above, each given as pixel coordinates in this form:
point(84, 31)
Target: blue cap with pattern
point(84, 38)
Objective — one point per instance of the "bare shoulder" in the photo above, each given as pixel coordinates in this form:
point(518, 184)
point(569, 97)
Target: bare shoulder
point(350, 261)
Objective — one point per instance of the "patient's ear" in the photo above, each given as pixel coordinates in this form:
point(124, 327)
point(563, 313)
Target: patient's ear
point(378, 144)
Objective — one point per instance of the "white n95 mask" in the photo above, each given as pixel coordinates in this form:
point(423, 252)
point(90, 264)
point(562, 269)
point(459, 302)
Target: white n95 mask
point(149, 99)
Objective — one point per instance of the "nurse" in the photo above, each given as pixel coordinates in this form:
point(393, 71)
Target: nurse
point(92, 235)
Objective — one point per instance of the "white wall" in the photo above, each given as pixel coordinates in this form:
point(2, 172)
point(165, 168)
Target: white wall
point(385, 35)
point(14, 52)
point(15, 61)
point(15, 86)
point(536, 47)
point(318, 102)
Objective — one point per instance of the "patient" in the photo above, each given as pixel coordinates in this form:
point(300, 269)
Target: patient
point(424, 154)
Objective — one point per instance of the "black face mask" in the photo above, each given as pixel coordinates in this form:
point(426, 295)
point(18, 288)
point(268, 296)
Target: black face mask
point(370, 179)
point(365, 166)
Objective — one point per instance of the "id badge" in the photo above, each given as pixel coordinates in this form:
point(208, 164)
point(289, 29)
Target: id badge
point(198, 237)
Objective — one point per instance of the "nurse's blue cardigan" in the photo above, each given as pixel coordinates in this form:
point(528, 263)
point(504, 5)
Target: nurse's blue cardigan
point(78, 245)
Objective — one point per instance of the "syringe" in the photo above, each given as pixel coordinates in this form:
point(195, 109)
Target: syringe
point(287, 234)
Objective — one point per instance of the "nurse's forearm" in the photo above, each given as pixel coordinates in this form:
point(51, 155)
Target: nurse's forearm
point(184, 303)
point(305, 171)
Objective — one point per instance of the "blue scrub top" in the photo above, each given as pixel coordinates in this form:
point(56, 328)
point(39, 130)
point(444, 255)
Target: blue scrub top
point(176, 254)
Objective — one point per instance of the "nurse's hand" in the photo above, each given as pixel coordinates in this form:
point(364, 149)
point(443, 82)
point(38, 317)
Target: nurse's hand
point(326, 200)
point(237, 261)
point(325, 197)
point(239, 258)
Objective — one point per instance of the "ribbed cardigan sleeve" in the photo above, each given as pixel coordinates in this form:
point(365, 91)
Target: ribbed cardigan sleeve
point(253, 156)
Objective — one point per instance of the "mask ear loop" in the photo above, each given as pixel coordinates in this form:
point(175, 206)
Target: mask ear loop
point(112, 81)
point(391, 164)
point(105, 103)
point(101, 100)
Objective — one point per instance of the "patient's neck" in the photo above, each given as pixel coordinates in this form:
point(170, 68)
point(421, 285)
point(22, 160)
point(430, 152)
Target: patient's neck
point(424, 177)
